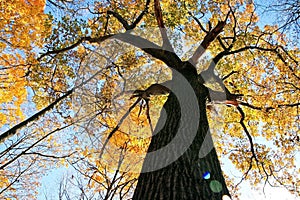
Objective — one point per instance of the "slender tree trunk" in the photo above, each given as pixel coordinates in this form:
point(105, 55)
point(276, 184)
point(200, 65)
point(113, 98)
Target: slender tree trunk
point(195, 174)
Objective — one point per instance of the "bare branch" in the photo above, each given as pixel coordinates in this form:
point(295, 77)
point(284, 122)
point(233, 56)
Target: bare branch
point(118, 126)
point(252, 150)
point(124, 23)
point(148, 116)
point(120, 19)
point(246, 173)
point(228, 75)
point(31, 146)
point(269, 108)
point(247, 133)
point(81, 40)
point(139, 18)
point(16, 179)
point(49, 156)
point(221, 43)
point(168, 57)
point(198, 22)
point(210, 71)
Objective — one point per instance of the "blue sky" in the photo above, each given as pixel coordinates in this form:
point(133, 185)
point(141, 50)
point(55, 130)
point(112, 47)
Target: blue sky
point(51, 181)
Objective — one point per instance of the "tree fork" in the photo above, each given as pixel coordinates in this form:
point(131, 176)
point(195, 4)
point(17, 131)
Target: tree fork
point(184, 178)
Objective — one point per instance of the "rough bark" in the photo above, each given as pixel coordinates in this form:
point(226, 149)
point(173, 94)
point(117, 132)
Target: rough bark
point(183, 178)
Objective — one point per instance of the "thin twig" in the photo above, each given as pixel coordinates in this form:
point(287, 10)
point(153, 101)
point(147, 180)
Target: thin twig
point(118, 126)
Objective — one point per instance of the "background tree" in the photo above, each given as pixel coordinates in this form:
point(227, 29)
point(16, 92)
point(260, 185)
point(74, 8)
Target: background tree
point(91, 85)
point(287, 16)
point(23, 26)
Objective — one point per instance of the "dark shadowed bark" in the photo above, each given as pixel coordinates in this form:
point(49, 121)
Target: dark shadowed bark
point(183, 178)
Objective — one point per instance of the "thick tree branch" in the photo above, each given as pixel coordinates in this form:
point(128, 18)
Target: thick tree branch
point(252, 150)
point(209, 73)
point(168, 57)
point(211, 36)
point(81, 40)
point(40, 113)
point(227, 52)
point(120, 19)
point(124, 22)
point(139, 18)
point(154, 89)
point(159, 18)
point(223, 96)
point(268, 108)
point(34, 117)
point(275, 50)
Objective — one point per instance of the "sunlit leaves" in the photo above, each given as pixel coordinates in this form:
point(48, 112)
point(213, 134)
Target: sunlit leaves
point(23, 27)
point(267, 81)
point(106, 74)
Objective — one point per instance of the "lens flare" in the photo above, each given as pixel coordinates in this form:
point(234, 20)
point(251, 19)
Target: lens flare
point(206, 175)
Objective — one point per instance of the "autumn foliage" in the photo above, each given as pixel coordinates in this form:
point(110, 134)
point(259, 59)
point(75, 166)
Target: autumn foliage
point(70, 72)
point(23, 27)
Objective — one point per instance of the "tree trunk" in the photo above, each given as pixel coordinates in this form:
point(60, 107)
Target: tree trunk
point(188, 169)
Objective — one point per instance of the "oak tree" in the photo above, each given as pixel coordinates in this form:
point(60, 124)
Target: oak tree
point(149, 99)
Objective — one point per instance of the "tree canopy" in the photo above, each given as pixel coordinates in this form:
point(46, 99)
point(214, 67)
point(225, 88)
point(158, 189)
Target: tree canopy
point(84, 84)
